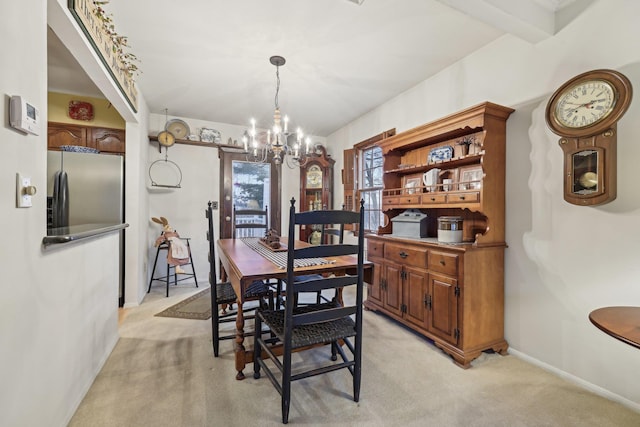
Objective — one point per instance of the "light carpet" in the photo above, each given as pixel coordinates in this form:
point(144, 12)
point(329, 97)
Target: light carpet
point(162, 373)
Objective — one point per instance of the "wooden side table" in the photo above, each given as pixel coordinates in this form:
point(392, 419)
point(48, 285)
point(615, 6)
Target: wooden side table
point(622, 323)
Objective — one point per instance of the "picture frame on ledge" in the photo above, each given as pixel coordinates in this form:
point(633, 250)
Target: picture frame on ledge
point(412, 184)
point(470, 177)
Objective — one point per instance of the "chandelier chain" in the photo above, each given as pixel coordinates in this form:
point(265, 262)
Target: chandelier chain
point(277, 85)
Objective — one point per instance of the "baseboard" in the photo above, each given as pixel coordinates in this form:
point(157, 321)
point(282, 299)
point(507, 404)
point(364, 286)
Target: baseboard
point(577, 381)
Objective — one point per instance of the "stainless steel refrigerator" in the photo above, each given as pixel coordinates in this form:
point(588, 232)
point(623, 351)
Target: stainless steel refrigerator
point(94, 193)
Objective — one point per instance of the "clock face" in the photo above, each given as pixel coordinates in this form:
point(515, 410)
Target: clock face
point(166, 139)
point(585, 104)
point(314, 177)
point(588, 104)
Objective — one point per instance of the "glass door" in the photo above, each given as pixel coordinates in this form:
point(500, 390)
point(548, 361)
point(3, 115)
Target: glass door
point(248, 185)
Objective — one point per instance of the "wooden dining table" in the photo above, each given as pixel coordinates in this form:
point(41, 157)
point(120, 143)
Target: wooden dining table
point(242, 265)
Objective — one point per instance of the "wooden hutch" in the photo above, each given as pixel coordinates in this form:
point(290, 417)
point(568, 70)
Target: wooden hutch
point(451, 293)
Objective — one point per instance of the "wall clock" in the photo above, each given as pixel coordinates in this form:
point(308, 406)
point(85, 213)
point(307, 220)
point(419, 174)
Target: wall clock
point(584, 111)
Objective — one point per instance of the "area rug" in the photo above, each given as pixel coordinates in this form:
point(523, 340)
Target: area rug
point(197, 307)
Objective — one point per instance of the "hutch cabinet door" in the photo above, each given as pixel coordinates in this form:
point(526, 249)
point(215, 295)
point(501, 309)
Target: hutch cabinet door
point(374, 290)
point(443, 315)
point(393, 288)
point(416, 289)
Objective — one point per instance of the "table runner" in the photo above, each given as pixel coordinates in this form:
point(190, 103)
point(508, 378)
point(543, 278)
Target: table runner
point(280, 258)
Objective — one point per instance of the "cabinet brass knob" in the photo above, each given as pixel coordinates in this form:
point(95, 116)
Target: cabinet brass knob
point(441, 262)
point(403, 254)
point(461, 197)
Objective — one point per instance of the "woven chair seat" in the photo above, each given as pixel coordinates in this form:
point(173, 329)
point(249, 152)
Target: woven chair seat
point(306, 277)
point(316, 333)
point(257, 289)
point(226, 294)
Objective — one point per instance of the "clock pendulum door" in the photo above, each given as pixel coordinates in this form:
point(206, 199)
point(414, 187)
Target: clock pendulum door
point(590, 169)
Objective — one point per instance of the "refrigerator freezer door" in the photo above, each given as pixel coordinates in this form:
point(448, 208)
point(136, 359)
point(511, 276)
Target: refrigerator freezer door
point(95, 184)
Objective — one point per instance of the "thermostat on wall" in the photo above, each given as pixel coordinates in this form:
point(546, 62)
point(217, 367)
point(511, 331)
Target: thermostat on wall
point(23, 115)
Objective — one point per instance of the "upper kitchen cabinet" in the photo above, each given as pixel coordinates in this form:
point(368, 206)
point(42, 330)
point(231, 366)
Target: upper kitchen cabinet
point(105, 140)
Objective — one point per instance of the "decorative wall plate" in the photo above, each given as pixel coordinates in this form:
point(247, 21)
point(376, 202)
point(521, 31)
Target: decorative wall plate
point(80, 110)
point(179, 128)
point(440, 153)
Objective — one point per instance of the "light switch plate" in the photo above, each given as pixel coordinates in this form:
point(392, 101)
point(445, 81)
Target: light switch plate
point(23, 199)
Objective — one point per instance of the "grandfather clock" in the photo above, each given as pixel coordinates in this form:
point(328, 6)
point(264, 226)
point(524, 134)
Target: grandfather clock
point(316, 189)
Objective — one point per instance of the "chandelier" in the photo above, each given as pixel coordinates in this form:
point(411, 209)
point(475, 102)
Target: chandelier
point(281, 145)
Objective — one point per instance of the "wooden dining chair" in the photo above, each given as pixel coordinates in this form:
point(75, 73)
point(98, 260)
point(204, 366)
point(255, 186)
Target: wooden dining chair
point(327, 234)
point(255, 223)
point(303, 327)
point(222, 293)
point(250, 222)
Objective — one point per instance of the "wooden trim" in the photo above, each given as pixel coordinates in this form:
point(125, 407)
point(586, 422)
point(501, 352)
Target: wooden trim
point(202, 144)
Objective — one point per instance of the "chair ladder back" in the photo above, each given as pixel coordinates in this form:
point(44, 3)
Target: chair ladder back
point(323, 315)
point(212, 246)
point(322, 251)
point(325, 283)
point(245, 219)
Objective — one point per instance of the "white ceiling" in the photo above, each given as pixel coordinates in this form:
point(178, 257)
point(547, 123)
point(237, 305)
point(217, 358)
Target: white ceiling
point(209, 59)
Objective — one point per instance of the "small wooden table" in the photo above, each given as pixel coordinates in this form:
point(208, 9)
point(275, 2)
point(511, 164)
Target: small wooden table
point(242, 266)
point(622, 323)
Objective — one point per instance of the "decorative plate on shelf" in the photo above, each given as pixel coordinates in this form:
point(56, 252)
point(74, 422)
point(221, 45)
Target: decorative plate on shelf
point(179, 128)
point(79, 149)
point(210, 135)
point(440, 153)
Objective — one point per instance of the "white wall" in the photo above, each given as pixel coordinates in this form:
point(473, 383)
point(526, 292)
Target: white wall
point(563, 260)
point(136, 208)
point(58, 311)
